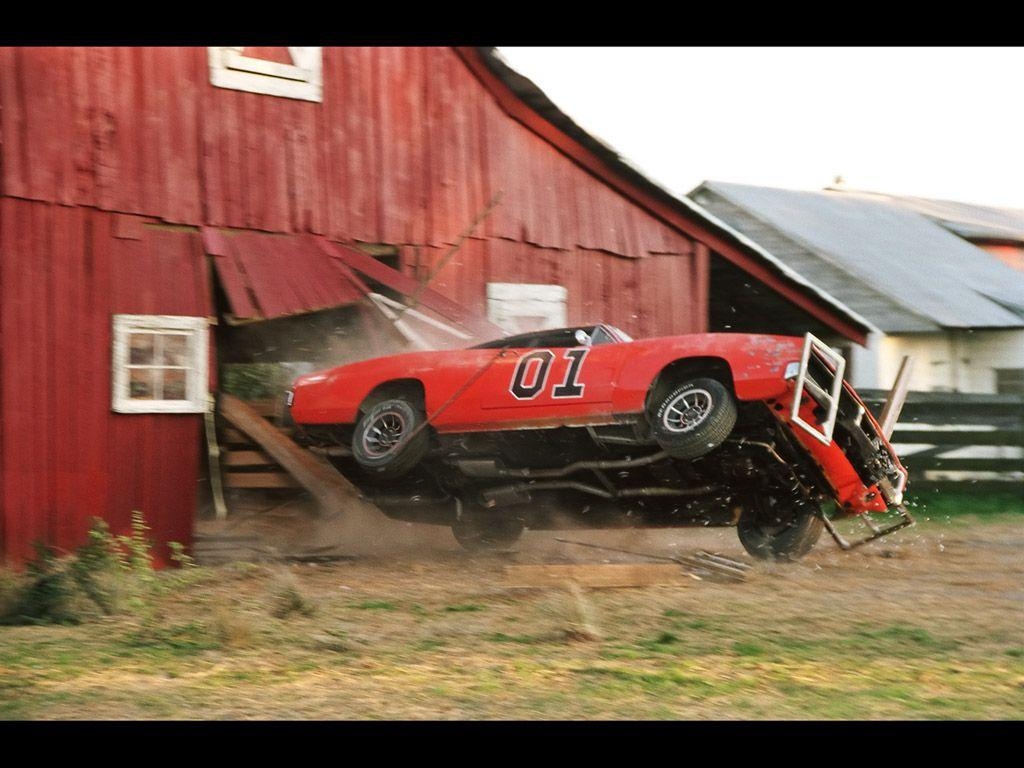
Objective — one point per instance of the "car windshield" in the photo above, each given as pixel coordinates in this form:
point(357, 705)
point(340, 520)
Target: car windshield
point(576, 336)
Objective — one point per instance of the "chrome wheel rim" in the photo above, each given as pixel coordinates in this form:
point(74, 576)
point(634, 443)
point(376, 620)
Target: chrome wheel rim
point(687, 411)
point(384, 434)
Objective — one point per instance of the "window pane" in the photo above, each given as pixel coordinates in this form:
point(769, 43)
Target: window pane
point(176, 349)
point(174, 385)
point(140, 383)
point(141, 349)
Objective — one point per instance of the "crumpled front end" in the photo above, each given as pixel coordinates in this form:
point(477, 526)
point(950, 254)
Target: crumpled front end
point(825, 414)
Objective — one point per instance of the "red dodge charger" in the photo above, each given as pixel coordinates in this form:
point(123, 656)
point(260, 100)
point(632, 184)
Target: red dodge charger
point(584, 426)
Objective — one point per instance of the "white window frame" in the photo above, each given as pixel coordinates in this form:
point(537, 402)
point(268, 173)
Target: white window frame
point(196, 379)
point(508, 301)
point(303, 80)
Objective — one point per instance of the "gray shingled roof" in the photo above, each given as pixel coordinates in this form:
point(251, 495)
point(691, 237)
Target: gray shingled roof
point(891, 264)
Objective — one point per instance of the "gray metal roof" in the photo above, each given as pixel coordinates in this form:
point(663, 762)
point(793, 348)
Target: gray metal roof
point(969, 221)
point(891, 264)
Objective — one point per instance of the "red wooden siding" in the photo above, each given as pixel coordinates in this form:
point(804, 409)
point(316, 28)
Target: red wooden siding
point(406, 148)
point(66, 457)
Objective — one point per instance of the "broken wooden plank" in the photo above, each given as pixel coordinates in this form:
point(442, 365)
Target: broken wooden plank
point(229, 436)
point(604, 575)
point(246, 459)
point(329, 488)
point(267, 408)
point(259, 480)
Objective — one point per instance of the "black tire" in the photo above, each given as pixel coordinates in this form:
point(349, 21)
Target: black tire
point(479, 531)
point(694, 418)
point(779, 526)
point(389, 439)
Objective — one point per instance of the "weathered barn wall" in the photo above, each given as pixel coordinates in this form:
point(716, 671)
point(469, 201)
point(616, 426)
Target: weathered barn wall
point(406, 148)
point(66, 457)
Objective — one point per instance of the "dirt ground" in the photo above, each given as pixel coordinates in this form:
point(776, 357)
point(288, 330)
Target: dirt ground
point(927, 624)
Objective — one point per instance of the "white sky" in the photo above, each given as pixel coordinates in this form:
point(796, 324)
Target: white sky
point(935, 122)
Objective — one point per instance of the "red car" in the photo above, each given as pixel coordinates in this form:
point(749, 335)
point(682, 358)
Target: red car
point(584, 426)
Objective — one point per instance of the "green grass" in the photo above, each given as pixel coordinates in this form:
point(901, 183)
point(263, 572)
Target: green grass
point(375, 605)
point(938, 502)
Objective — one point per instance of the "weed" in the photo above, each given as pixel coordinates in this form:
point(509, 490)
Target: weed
point(288, 600)
point(747, 649)
point(179, 556)
point(111, 573)
point(47, 594)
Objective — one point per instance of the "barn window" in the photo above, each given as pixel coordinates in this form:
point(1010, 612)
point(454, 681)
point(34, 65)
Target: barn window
point(159, 364)
point(294, 73)
point(523, 307)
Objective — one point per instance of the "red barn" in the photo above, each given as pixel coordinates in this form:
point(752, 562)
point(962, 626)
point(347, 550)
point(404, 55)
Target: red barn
point(147, 194)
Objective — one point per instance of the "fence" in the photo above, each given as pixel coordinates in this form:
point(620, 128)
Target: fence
point(957, 436)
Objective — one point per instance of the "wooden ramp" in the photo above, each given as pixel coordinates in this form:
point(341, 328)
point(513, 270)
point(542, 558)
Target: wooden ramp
point(333, 492)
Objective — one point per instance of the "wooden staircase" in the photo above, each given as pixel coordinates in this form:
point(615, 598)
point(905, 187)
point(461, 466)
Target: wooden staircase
point(261, 454)
point(244, 463)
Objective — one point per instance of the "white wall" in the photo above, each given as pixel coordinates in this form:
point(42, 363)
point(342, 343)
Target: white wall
point(963, 361)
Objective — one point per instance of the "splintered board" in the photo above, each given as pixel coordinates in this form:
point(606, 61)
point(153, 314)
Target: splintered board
point(600, 575)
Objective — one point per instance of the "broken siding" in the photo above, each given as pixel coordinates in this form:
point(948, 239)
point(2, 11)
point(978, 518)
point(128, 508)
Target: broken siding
point(66, 457)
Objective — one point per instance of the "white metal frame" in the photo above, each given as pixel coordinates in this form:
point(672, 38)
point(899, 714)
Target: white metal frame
point(197, 370)
point(829, 399)
point(230, 68)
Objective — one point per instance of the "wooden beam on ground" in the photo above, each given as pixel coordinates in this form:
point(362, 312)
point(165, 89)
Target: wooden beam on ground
point(596, 575)
point(260, 480)
point(333, 491)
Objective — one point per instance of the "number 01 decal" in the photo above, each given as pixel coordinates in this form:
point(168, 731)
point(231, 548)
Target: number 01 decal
point(531, 375)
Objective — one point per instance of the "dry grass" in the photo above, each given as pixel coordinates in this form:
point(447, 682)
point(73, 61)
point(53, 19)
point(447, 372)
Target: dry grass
point(926, 625)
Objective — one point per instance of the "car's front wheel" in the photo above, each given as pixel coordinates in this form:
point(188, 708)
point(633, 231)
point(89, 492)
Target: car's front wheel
point(390, 438)
point(779, 525)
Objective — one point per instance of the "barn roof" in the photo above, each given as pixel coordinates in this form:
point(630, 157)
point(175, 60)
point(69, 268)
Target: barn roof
point(674, 209)
point(890, 262)
point(968, 220)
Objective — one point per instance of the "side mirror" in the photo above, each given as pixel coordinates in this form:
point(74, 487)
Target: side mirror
point(582, 337)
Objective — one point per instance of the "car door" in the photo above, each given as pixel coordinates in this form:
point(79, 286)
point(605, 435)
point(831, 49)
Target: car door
point(537, 387)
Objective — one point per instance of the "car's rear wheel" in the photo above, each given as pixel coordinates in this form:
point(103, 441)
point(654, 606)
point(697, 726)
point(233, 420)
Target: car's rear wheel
point(779, 526)
point(484, 531)
point(694, 418)
point(390, 438)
